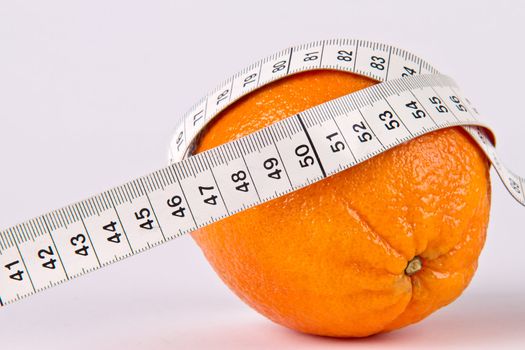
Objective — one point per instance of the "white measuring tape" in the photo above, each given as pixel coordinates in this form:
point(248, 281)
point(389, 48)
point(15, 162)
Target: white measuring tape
point(193, 192)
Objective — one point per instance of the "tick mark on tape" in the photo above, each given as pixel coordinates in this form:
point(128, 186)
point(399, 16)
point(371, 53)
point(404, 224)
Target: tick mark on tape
point(289, 61)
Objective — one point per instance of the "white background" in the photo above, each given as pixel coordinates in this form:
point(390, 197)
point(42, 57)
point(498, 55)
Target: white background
point(91, 90)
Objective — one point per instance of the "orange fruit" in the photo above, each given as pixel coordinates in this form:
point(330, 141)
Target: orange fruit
point(371, 249)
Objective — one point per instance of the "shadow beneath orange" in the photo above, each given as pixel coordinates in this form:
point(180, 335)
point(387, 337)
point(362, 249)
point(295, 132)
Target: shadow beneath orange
point(473, 321)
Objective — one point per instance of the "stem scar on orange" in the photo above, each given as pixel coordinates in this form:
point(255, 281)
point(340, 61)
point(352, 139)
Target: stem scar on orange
point(371, 249)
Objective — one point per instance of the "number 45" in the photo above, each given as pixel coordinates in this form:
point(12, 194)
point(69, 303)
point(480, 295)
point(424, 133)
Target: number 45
point(144, 214)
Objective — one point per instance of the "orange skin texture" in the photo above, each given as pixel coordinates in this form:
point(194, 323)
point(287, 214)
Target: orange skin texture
point(330, 259)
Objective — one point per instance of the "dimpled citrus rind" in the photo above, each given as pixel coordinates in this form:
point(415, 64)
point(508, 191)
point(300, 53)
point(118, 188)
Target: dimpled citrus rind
point(330, 259)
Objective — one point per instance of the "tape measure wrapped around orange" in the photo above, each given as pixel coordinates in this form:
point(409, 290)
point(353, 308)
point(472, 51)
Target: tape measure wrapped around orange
point(371, 249)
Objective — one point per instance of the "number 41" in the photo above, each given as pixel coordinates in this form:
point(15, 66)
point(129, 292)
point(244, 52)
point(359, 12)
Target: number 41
point(18, 275)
